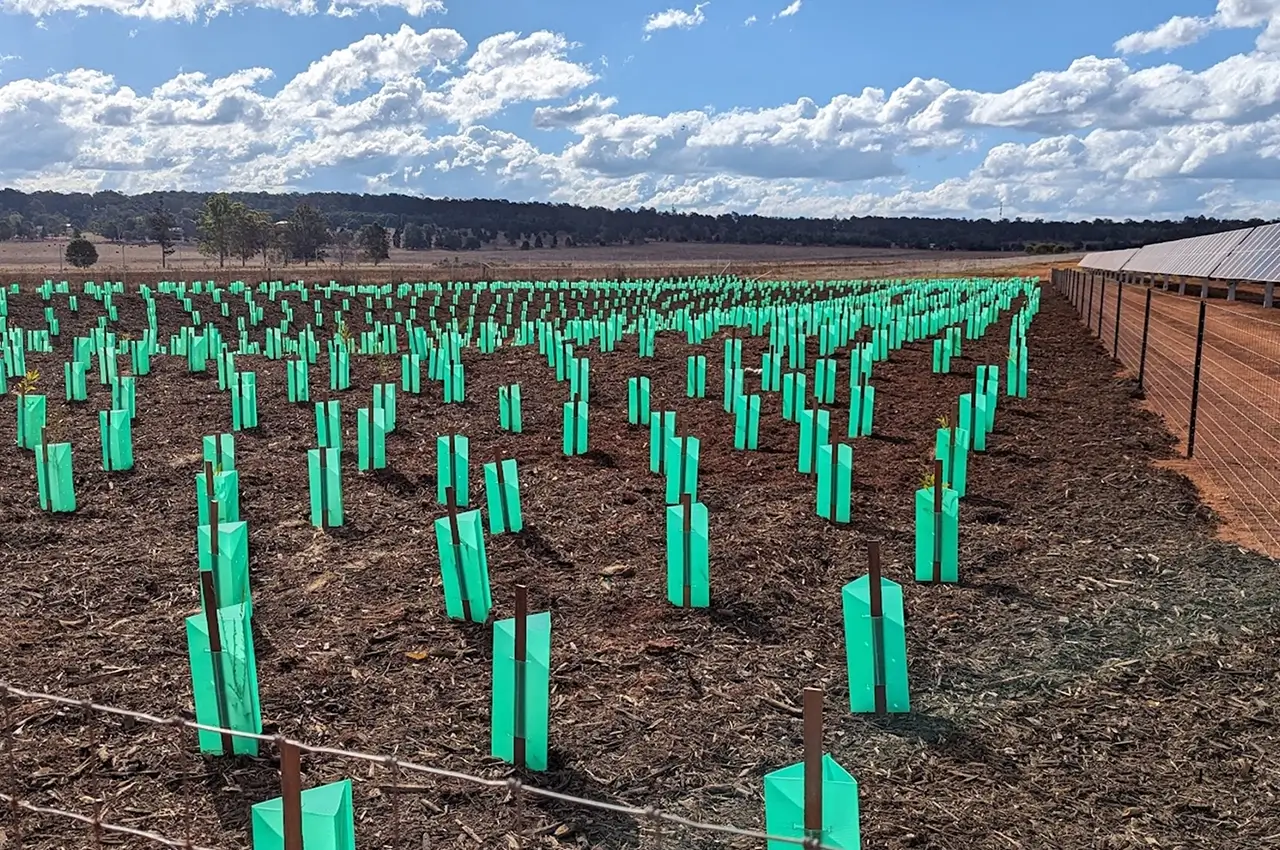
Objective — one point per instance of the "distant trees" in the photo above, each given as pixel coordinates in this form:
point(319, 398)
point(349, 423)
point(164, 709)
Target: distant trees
point(250, 234)
point(160, 225)
point(307, 235)
point(81, 253)
point(375, 243)
point(217, 226)
point(415, 238)
point(343, 246)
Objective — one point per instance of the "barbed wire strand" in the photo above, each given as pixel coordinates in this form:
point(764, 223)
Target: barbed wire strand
point(648, 812)
point(154, 837)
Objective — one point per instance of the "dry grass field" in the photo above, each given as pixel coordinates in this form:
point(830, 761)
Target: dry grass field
point(24, 260)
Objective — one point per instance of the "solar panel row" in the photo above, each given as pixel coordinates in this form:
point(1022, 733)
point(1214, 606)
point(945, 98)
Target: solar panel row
point(1251, 253)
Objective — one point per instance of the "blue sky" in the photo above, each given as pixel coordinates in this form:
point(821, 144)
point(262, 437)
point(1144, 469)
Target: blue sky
point(839, 108)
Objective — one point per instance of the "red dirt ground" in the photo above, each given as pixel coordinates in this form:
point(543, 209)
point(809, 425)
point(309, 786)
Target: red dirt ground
point(1103, 677)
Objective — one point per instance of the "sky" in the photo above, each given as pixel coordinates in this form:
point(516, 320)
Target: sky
point(1096, 108)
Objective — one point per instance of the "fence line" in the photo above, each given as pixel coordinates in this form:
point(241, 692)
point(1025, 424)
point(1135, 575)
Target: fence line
point(1235, 451)
point(651, 814)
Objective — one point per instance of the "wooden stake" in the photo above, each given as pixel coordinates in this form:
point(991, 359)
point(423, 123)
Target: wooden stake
point(835, 478)
point(813, 443)
point(291, 794)
point(213, 537)
point(521, 656)
point(48, 473)
point(813, 762)
point(323, 454)
point(877, 624)
point(451, 505)
point(212, 625)
point(502, 494)
point(686, 502)
point(937, 521)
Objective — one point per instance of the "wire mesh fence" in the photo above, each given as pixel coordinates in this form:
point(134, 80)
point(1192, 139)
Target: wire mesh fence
point(117, 752)
point(1211, 370)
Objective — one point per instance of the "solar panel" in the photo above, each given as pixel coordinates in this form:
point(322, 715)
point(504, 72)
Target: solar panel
point(1257, 257)
point(1111, 261)
point(1203, 254)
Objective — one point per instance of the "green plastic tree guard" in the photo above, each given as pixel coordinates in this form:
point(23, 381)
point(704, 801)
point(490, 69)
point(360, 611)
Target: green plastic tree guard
point(226, 370)
point(815, 432)
point(244, 401)
point(638, 401)
point(521, 705)
point(328, 424)
point(1016, 377)
point(734, 381)
point(784, 806)
point(455, 385)
point(575, 428)
point(862, 403)
point(835, 482)
point(197, 353)
point(937, 534)
point(453, 469)
point(411, 373)
point(732, 353)
point(688, 555)
point(32, 419)
point(974, 421)
point(384, 399)
point(328, 820)
point(682, 468)
point(771, 372)
point(875, 647)
point(339, 369)
point(824, 381)
point(220, 450)
point(580, 379)
point(502, 496)
point(226, 492)
point(324, 468)
point(231, 566)
point(794, 385)
point(464, 566)
point(225, 684)
point(124, 395)
point(298, 373)
point(746, 427)
point(371, 439)
point(951, 446)
point(509, 416)
point(696, 377)
point(115, 429)
point(993, 395)
point(54, 483)
point(76, 376)
point(662, 427)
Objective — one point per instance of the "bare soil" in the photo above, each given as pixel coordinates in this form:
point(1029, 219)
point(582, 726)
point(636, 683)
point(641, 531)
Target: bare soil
point(1105, 675)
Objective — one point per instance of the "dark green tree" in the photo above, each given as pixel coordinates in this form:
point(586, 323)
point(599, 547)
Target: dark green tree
point(160, 225)
point(375, 243)
point(81, 253)
point(307, 235)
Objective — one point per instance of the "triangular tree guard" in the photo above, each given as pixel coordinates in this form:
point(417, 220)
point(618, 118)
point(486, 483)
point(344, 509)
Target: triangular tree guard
point(521, 687)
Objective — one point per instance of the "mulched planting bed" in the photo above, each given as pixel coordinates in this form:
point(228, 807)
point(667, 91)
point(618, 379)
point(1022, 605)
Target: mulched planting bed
point(1105, 675)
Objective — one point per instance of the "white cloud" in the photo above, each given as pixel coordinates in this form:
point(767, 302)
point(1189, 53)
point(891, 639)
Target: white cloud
point(751, 19)
point(190, 10)
point(1180, 30)
point(407, 110)
point(675, 19)
point(790, 10)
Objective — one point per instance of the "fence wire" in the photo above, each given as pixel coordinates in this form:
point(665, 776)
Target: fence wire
point(1236, 458)
point(651, 816)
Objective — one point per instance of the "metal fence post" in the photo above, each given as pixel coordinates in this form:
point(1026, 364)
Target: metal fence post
point(1115, 342)
point(1195, 384)
point(1142, 357)
point(1102, 300)
point(1088, 311)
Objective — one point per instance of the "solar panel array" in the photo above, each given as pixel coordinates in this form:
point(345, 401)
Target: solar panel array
point(1251, 253)
point(1257, 257)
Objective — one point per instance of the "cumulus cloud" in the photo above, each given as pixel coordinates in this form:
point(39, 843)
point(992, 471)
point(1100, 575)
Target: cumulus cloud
point(675, 19)
point(1181, 30)
point(751, 19)
point(407, 110)
point(190, 10)
point(790, 10)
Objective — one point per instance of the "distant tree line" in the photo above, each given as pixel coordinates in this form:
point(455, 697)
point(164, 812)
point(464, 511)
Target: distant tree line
point(247, 225)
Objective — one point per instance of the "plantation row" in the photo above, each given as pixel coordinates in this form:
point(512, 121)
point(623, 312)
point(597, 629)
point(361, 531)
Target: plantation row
point(430, 330)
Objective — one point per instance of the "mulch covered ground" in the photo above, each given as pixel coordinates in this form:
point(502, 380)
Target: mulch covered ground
point(1105, 676)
